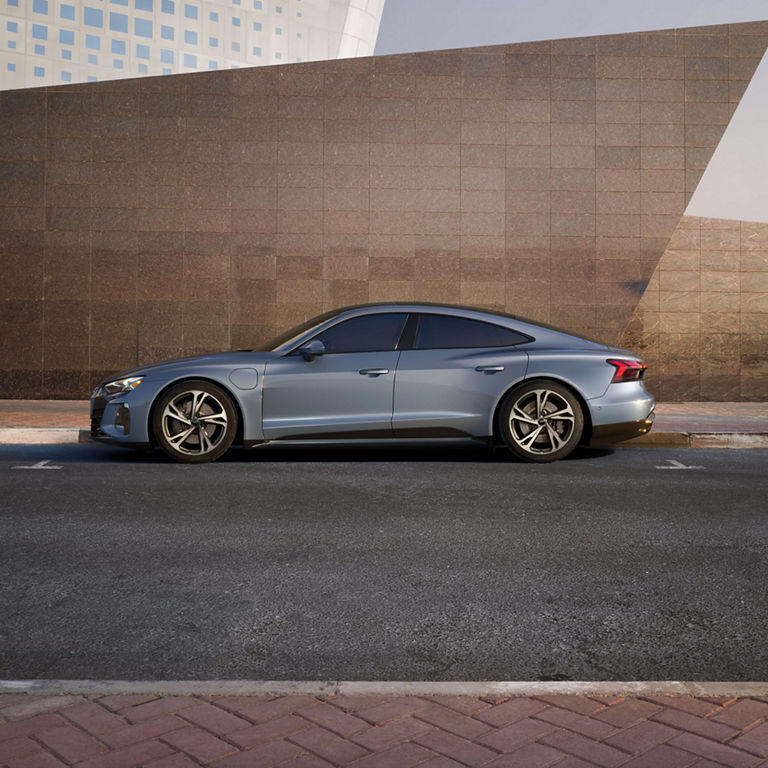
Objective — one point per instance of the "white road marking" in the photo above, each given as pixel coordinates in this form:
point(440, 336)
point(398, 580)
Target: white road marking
point(677, 465)
point(40, 465)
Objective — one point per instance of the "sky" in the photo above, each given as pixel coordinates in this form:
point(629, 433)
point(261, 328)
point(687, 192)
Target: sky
point(735, 184)
point(425, 25)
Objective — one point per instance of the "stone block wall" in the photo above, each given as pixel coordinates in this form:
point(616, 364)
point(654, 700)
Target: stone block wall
point(152, 218)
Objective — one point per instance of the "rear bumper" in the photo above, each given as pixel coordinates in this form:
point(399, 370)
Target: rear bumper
point(616, 433)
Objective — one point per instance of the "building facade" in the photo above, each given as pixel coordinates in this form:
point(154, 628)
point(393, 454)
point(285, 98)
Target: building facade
point(161, 217)
point(51, 42)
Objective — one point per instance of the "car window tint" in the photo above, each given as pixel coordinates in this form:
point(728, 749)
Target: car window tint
point(371, 333)
point(446, 332)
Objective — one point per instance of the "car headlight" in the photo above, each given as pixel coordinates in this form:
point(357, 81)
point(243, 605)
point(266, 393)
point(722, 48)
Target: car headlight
point(122, 385)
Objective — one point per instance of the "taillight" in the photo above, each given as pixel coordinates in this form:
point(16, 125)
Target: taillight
point(627, 370)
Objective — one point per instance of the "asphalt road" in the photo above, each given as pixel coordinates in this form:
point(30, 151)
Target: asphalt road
point(372, 565)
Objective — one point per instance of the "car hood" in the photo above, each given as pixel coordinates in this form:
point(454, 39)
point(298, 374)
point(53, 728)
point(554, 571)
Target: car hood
point(197, 364)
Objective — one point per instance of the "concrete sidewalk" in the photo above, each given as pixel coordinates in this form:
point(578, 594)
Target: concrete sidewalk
point(705, 727)
point(698, 425)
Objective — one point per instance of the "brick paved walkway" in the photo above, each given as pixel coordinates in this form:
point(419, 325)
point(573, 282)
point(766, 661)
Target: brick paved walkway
point(121, 731)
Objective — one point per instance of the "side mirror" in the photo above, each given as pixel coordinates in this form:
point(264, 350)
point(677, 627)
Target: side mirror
point(312, 349)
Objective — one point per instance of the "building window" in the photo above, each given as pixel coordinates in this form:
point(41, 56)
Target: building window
point(39, 50)
point(66, 77)
point(118, 47)
point(67, 12)
point(39, 32)
point(39, 72)
point(213, 16)
point(11, 67)
point(93, 58)
point(16, 4)
point(118, 22)
point(93, 17)
point(235, 21)
point(278, 9)
point(166, 56)
point(93, 79)
point(142, 51)
point(190, 60)
point(166, 71)
point(236, 47)
point(143, 69)
point(257, 4)
point(117, 64)
point(256, 51)
point(213, 42)
point(190, 11)
point(190, 38)
point(168, 6)
point(40, 6)
point(142, 27)
point(278, 55)
point(144, 5)
point(278, 31)
point(66, 54)
point(257, 26)
point(119, 2)
point(93, 42)
point(66, 37)
point(213, 65)
point(12, 26)
point(166, 33)
point(298, 34)
point(12, 44)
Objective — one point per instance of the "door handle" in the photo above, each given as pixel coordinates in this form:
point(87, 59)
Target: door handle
point(489, 368)
point(373, 371)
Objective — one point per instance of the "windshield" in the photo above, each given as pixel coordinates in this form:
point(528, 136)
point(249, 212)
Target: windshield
point(280, 341)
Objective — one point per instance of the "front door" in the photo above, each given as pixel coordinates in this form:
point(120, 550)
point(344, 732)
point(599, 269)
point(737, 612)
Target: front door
point(346, 392)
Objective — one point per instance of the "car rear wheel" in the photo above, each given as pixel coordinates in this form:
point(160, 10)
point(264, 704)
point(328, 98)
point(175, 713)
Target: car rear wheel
point(195, 422)
point(541, 421)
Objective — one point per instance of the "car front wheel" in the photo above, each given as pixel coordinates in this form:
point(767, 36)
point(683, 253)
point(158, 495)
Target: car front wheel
point(195, 422)
point(541, 421)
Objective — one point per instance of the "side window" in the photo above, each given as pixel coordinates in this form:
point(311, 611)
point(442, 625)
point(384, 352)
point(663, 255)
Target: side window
point(446, 332)
point(371, 333)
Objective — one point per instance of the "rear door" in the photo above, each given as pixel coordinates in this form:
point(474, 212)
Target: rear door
point(345, 392)
point(449, 383)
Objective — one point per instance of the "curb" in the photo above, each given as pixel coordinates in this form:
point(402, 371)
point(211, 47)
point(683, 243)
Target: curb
point(740, 440)
point(382, 688)
point(43, 435)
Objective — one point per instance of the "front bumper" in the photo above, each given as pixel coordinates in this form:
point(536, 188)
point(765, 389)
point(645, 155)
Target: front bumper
point(115, 420)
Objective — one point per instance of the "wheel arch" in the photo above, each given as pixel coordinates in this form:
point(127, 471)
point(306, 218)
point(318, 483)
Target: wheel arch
point(586, 435)
point(209, 380)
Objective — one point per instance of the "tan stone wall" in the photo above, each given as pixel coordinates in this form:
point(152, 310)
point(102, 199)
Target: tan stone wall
point(702, 324)
point(153, 218)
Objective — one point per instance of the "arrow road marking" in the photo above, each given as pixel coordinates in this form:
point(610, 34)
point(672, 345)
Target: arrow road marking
point(44, 464)
point(677, 465)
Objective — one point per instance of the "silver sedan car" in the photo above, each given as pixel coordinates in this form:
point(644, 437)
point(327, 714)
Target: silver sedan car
point(385, 372)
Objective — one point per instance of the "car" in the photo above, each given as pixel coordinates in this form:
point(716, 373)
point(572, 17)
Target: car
point(376, 373)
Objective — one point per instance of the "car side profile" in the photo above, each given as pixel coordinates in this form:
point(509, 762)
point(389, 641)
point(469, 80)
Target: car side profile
point(381, 373)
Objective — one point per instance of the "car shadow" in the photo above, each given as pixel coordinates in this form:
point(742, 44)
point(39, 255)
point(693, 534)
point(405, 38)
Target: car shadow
point(93, 452)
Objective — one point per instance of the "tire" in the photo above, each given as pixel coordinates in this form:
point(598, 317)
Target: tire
point(541, 421)
point(195, 422)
